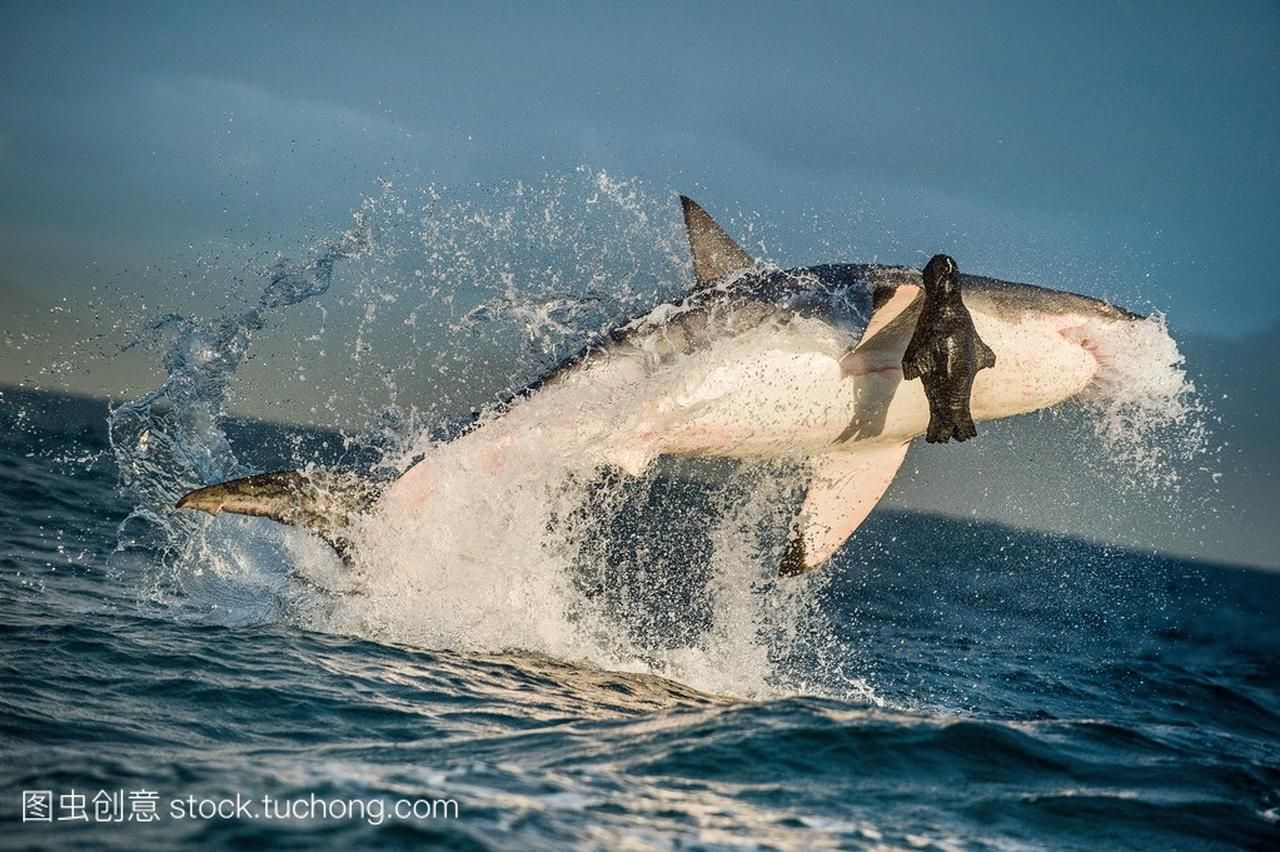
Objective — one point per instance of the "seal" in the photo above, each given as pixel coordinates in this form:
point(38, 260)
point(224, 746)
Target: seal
point(945, 353)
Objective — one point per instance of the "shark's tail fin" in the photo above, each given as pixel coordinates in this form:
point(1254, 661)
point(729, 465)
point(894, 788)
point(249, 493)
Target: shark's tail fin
point(323, 501)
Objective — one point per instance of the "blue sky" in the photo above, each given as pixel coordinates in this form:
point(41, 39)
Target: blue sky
point(1120, 149)
point(1126, 149)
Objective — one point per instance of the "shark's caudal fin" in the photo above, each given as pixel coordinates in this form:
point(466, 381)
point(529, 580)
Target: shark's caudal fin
point(846, 486)
point(324, 502)
point(715, 255)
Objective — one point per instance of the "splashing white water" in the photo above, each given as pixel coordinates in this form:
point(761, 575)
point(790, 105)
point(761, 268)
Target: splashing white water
point(1143, 407)
point(494, 552)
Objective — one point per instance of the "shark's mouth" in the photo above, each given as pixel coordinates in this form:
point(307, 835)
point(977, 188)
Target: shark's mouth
point(1083, 335)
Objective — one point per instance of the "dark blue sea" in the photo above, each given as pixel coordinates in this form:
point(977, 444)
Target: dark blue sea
point(974, 687)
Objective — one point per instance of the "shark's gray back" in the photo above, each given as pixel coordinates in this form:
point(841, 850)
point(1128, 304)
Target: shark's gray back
point(843, 295)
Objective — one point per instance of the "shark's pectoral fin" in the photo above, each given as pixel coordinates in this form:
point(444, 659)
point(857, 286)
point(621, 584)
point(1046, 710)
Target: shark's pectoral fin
point(846, 486)
point(324, 502)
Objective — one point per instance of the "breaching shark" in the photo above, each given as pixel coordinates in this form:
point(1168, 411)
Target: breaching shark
point(758, 362)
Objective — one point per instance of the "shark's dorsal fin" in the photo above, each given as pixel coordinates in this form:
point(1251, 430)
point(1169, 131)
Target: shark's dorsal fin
point(715, 255)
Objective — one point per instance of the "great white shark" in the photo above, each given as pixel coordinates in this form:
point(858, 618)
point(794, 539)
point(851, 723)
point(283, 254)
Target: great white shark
point(756, 362)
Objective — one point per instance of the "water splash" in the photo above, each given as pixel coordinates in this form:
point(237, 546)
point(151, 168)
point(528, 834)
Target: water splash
point(541, 553)
point(172, 439)
point(1143, 407)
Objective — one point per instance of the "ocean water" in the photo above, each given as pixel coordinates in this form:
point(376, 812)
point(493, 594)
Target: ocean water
point(999, 689)
point(566, 659)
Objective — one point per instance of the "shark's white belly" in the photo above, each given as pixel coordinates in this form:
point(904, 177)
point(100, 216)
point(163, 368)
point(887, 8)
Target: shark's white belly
point(779, 402)
point(799, 392)
point(776, 392)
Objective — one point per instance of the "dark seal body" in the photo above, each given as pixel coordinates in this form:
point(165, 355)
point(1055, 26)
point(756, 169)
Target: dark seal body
point(945, 353)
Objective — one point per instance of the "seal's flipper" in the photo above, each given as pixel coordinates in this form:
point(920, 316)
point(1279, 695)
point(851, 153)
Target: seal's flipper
point(846, 486)
point(917, 361)
point(715, 255)
point(986, 357)
point(324, 502)
point(944, 426)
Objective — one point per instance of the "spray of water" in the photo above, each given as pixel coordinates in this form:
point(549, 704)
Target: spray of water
point(171, 440)
point(1144, 408)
